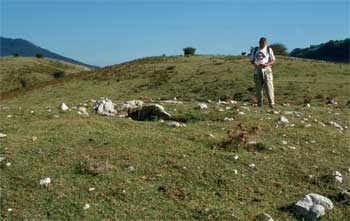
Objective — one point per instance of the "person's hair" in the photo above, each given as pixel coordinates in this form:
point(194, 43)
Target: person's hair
point(262, 39)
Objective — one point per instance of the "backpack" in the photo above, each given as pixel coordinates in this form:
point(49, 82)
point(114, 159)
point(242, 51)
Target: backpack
point(256, 49)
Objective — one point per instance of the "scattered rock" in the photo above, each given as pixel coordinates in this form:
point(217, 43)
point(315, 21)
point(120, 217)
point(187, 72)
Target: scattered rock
point(344, 197)
point(228, 119)
point(148, 112)
point(91, 189)
point(284, 142)
point(202, 106)
point(312, 206)
point(307, 125)
point(336, 125)
point(2, 159)
point(104, 106)
point(94, 166)
point(264, 217)
point(83, 111)
point(86, 206)
point(34, 138)
point(2, 135)
point(45, 182)
point(252, 165)
point(131, 104)
point(175, 124)
point(307, 105)
point(64, 107)
point(337, 176)
point(283, 119)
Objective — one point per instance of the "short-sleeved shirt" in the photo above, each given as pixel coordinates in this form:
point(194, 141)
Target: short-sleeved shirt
point(261, 56)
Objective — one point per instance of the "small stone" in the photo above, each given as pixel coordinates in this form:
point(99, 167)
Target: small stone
point(2, 135)
point(9, 116)
point(10, 209)
point(252, 165)
point(131, 168)
point(307, 105)
point(336, 125)
point(91, 189)
point(241, 113)
point(337, 176)
point(8, 164)
point(228, 119)
point(236, 157)
point(252, 142)
point(235, 171)
point(34, 138)
point(284, 142)
point(264, 217)
point(221, 110)
point(64, 107)
point(307, 125)
point(45, 182)
point(283, 119)
point(2, 159)
point(173, 124)
point(211, 135)
point(86, 206)
point(202, 106)
point(292, 147)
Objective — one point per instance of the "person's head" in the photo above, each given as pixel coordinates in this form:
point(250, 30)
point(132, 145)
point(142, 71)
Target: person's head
point(262, 42)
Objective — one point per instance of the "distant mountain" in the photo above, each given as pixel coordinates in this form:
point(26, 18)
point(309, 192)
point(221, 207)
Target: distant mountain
point(331, 51)
point(9, 46)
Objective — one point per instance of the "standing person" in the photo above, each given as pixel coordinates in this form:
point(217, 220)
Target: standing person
point(262, 58)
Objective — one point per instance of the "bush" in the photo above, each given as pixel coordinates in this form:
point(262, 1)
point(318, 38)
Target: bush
point(15, 55)
point(189, 51)
point(23, 83)
point(279, 49)
point(58, 74)
point(39, 56)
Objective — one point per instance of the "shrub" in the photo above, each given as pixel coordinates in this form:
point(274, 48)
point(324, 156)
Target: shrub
point(39, 56)
point(23, 82)
point(189, 51)
point(58, 74)
point(279, 49)
point(15, 55)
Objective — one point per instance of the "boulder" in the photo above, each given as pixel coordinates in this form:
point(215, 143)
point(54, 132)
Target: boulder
point(148, 112)
point(312, 206)
point(104, 106)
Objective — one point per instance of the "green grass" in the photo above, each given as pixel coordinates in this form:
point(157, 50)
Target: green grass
point(180, 173)
point(32, 70)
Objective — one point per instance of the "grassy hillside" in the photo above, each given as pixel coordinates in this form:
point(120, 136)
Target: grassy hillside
point(32, 70)
point(153, 171)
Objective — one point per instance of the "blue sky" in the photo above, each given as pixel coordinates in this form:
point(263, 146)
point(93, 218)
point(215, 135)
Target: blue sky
point(107, 32)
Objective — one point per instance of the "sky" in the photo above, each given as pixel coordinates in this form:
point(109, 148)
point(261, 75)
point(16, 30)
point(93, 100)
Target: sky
point(106, 32)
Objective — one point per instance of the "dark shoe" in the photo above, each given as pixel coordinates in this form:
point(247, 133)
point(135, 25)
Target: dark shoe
point(271, 106)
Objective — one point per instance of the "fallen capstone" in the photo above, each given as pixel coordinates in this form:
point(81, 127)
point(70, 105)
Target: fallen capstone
point(104, 106)
point(148, 112)
point(312, 206)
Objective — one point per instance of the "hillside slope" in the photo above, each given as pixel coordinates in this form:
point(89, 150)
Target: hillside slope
point(130, 170)
point(32, 70)
point(9, 47)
